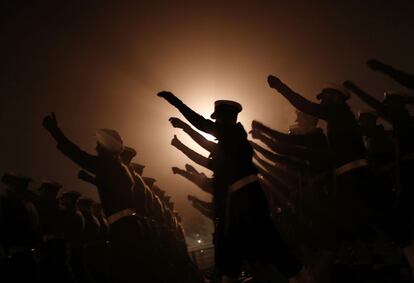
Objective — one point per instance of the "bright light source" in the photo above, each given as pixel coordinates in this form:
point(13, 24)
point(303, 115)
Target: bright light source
point(199, 241)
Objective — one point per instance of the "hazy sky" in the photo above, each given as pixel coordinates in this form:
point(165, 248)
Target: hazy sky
point(101, 65)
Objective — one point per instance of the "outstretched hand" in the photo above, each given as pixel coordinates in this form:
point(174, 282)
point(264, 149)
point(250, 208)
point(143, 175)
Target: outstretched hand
point(375, 64)
point(256, 125)
point(274, 82)
point(50, 122)
point(170, 97)
point(175, 141)
point(177, 123)
point(176, 170)
point(256, 134)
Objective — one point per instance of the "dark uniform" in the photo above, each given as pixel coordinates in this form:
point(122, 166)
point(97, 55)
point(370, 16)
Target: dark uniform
point(115, 187)
point(73, 230)
point(53, 263)
point(246, 231)
point(392, 109)
point(352, 203)
point(20, 234)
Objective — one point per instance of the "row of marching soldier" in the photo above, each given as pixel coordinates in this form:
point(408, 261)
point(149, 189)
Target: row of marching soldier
point(134, 235)
point(342, 201)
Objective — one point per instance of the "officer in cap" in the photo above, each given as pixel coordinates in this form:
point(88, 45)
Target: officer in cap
point(114, 183)
point(247, 224)
point(20, 228)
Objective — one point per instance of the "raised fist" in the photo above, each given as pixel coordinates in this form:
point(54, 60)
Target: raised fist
point(375, 64)
point(177, 123)
point(50, 122)
point(175, 170)
point(256, 125)
point(191, 169)
point(170, 97)
point(274, 82)
point(175, 141)
point(256, 134)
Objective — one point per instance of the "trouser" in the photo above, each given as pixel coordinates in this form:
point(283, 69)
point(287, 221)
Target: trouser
point(53, 265)
point(129, 263)
point(249, 235)
point(20, 267)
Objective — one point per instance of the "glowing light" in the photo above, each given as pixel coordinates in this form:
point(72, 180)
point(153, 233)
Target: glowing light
point(199, 241)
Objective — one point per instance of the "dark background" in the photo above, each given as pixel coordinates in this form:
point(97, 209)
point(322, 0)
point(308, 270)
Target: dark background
point(100, 64)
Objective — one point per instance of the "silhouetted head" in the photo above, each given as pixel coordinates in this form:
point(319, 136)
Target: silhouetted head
point(367, 119)
point(97, 209)
point(85, 205)
point(226, 111)
point(149, 181)
point(69, 199)
point(50, 189)
point(305, 123)
point(138, 168)
point(128, 154)
point(333, 95)
point(109, 143)
point(16, 182)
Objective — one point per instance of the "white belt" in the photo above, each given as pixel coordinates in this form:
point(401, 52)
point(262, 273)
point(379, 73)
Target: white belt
point(243, 182)
point(120, 214)
point(351, 166)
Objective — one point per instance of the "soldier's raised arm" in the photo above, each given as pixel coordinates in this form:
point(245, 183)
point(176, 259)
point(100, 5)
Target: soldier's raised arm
point(279, 136)
point(194, 156)
point(401, 77)
point(88, 178)
point(67, 147)
point(194, 118)
point(297, 100)
point(368, 99)
point(205, 208)
point(203, 182)
point(196, 136)
point(278, 158)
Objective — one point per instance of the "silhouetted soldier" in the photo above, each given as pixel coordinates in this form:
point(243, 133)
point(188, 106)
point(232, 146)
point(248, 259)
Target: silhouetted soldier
point(54, 259)
point(378, 142)
point(393, 109)
point(115, 188)
point(248, 232)
point(20, 231)
point(74, 226)
point(91, 241)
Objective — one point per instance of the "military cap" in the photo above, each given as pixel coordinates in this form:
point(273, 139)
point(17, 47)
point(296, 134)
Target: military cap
point(16, 179)
point(110, 140)
point(226, 106)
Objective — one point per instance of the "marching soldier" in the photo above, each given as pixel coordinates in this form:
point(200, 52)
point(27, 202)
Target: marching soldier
point(247, 214)
point(20, 234)
point(393, 109)
point(115, 188)
point(54, 258)
point(73, 229)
